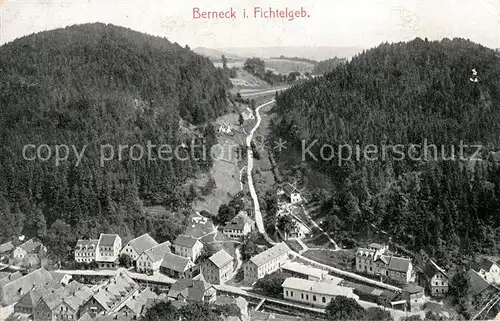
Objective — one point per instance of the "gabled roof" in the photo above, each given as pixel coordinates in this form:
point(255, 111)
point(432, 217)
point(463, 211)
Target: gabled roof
point(107, 239)
point(221, 259)
point(158, 252)
point(399, 264)
point(413, 289)
point(142, 243)
point(239, 221)
point(115, 290)
point(431, 269)
point(483, 264)
point(375, 246)
point(139, 300)
point(269, 254)
point(6, 247)
point(185, 241)
point(85, 245)
point(477, 284)
point(175, 262)
point(13, 289)
point(85, 317)
point(189, 289)
point(31, 246)
point(289, 189)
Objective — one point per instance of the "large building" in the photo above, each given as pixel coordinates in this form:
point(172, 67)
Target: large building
point(135, 247)
point(266, 262)
point(434, 279)
point(150, 260)
point(188, 246)
point(86, 250)
point(108, 251)
point(303, 271)
point(313, 292)
point(239, 226)
point(376, 260)
point(218, 268)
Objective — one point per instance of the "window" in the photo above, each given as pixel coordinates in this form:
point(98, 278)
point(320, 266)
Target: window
point(323, 299)
point(291, 293)
point(314, 298)
point(287, 292)
point(302, 296)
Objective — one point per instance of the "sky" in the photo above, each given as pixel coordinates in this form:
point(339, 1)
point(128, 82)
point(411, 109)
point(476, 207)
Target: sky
point(338, 23)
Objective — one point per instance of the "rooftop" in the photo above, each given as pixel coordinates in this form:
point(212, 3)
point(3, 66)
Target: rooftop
point(142, 243)
point(107, 239)
point(185, 241)
point(190, 289)
point(175, 262)
point(297, 267)
point(269, 254)
point(221, 258)
point(158, 252)
point(317, 287)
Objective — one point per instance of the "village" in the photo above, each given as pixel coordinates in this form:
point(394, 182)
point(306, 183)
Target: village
point(128, 278)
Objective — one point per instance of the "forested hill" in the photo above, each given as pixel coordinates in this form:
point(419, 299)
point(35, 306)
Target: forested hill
point(97, 84)
point(406, 93)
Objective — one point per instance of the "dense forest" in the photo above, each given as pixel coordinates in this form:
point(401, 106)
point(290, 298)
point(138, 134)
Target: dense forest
point(97, 84)
point(325, 66)
point(407, 93)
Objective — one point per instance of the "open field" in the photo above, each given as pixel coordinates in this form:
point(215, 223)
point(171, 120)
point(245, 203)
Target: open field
point(244, 79)
point(343, 259)
point(284, 66)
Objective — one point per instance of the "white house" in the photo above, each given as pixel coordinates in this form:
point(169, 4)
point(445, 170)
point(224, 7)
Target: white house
point(265, 263)
point(239, 226)
point(108, 250)
point(313, 292)
point(30, 252)
point(135, 247)
point(488, 269)
point(218, 268)
point(86, 250)
point(289, 194)
point(188, 246)
point(150, 260)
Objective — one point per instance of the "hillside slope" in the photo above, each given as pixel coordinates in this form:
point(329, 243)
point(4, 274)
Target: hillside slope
point(403, 94)
point(93, 85)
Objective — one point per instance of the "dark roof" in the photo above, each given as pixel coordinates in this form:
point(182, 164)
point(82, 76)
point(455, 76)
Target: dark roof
point(289, 189)
point(142, 243)
point(483, 264)
point(175, 262)
point(86, 245)
point(239, 221)
point(191, 290)
point(399, 264)
point(107, 239)
point(477, 284)
point(185, 241)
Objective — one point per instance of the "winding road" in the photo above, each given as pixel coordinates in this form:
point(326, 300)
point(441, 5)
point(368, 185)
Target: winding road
point(258, 214)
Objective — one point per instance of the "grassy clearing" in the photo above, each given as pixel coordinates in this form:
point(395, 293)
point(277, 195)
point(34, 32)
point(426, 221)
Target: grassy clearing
point(343, 259)
point(284, 66)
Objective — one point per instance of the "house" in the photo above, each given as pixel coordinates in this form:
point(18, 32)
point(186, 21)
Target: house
point(487, 269)
point(110, 296)
point(247, 114)
point(133, 308)
point(224, 128)
point(177, 266)
point(298, 230)
point(434, 279)
point(288, 194)
point(28, 301)
point(479, 287)
point(30, 252)
point(239, 303)
point(150, 260)
point(13, 287)
point(108, 250)
point(61, 305)
point(192, 290)
point(376, 260)
point(239, 226)
point(218, 268)
point(188, 246)
point(266, 262)
point(315, 293)
point(86, 250)
point(6, 248)
point(299, 270)
point(414, 296)
point(135, 247)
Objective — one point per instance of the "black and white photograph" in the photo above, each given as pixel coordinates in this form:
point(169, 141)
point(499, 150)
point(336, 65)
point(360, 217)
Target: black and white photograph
point(273, 160)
